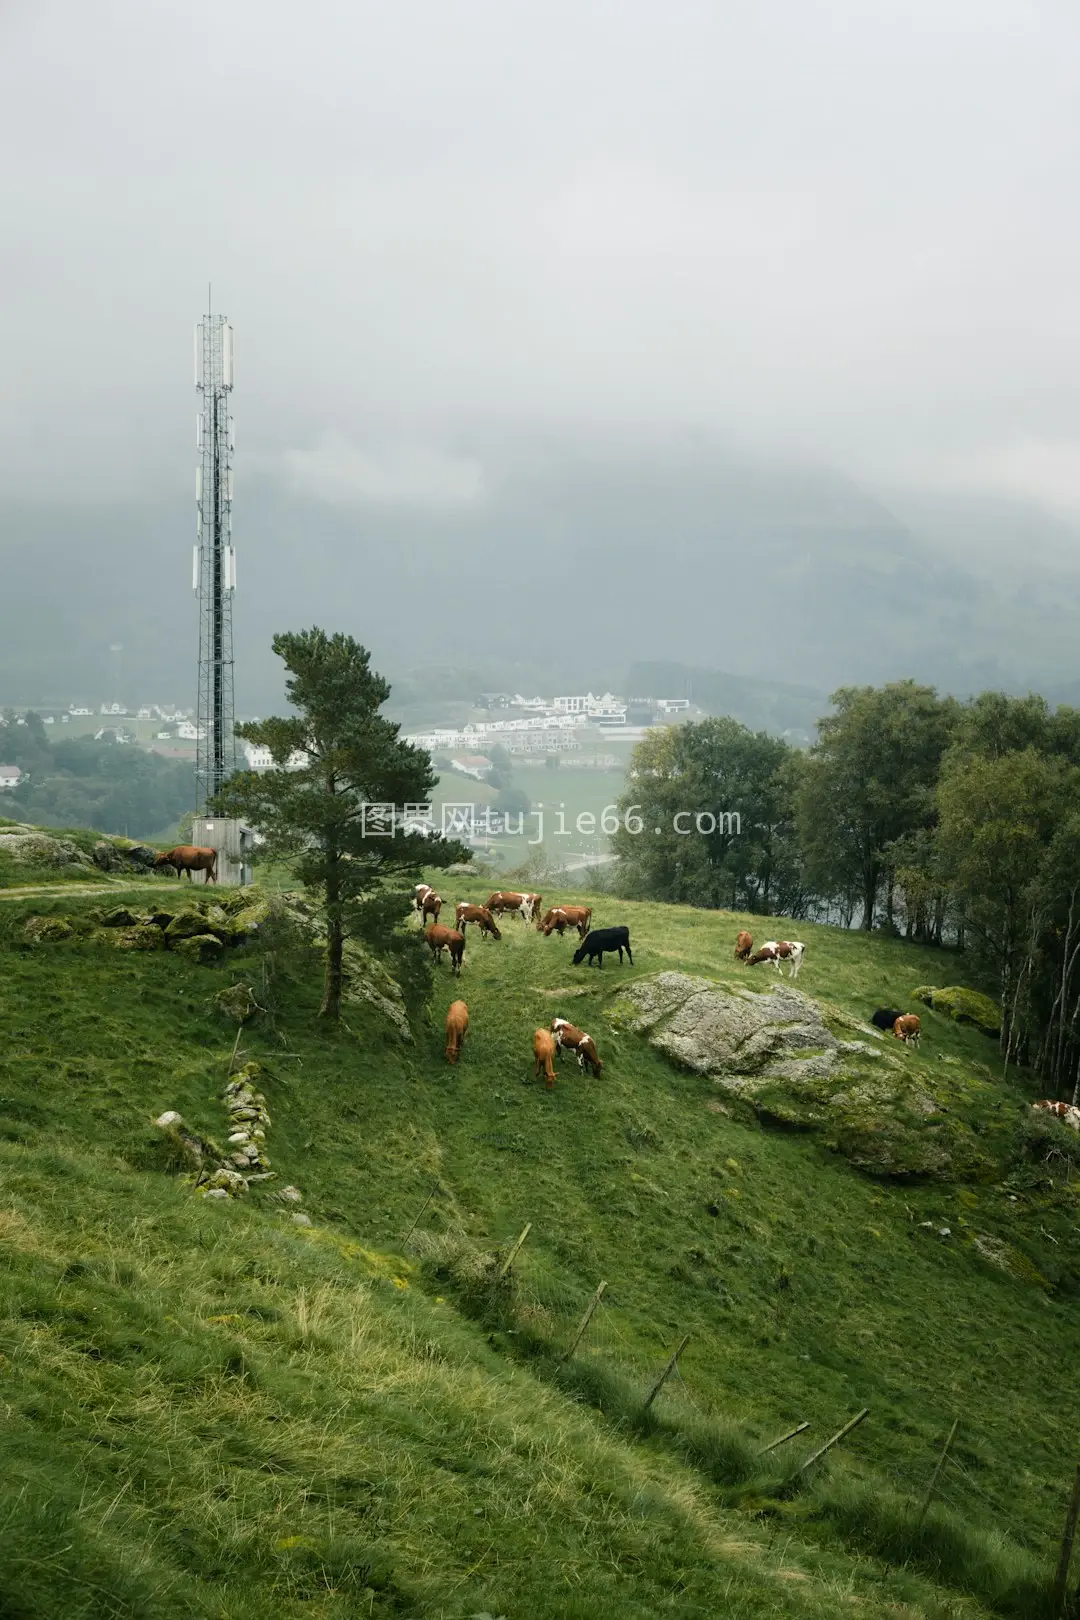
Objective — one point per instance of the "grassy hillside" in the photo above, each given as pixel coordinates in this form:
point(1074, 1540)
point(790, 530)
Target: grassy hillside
point(210, 1409)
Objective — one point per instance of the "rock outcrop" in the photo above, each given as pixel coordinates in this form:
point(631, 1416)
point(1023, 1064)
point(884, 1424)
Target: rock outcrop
point(776, 1052)
point(963, 1005)
point(31, 848)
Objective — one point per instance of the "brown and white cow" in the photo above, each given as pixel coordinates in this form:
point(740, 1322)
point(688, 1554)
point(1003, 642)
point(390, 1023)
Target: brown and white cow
point(466, 913)
point(441, 939)
point(744, 945)
point(559, 918)
point(420, 890)
point(1066, 1112)
point(780, 950)
point(907, 1029)
point(457, 1022)
point(526, 905)
point(544, 1055)
point(190, 858)
point(430, 906)
point(575, 1040)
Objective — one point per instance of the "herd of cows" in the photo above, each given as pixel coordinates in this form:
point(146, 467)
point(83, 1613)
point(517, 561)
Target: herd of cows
point(564, 1036)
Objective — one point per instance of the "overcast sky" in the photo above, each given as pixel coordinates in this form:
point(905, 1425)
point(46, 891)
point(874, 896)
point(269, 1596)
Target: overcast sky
point(845, 230)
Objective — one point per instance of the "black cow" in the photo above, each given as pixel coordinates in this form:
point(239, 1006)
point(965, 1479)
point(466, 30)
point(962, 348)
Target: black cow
point(886, 1017)
point(599, 940)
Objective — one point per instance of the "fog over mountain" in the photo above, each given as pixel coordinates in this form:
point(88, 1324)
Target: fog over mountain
point(568, 336)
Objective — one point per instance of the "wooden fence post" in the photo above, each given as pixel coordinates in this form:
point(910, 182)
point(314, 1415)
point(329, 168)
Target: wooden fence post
point(585, 1320)
point(416, 1223)
point(512, 1256)
point(936, 1475)
point(783, 1439)
point(666, 1374)
point(1057, 1607)
point(837, 1437)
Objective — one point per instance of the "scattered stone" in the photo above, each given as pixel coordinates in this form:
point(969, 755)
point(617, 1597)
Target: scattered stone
point(187, 924)
point(292, 1195)
point(47, 930)
point(118, 917)
point(143, 937)
point(119, 855)
point(300, 1219)
point(232, 1181)
point(215, 1192)
point(205, 948)
point(169, 1117)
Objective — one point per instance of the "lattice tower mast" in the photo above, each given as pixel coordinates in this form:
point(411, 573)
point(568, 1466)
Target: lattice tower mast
point(214, 567)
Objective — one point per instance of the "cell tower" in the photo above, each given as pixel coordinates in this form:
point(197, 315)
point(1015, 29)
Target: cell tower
point(214, 573)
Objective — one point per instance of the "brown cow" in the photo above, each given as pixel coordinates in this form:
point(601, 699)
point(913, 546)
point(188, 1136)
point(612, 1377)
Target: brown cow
point(575, 1040)
point(480, 915)
point(743, 945)
point(442, 939)
point(544, 1053)
point(560, 918)
point(906, 1028)
point(190, 858)
point(430, 906)
point(457, 1022)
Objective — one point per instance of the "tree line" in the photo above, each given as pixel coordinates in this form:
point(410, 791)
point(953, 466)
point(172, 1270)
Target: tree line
point(956, 824)
point(79, 782)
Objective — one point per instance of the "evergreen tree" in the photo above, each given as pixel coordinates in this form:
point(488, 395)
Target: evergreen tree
point(332, 803)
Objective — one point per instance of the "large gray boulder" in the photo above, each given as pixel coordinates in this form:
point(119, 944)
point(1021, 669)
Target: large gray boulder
point(776, 1052)
point(41, 849)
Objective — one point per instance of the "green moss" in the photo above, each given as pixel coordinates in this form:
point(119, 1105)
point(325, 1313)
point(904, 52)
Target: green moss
point(963, 1005)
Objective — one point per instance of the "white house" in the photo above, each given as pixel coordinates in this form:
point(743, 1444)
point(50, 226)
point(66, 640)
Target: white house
point(259, 758)
point(189, 731)
point(10, 777)
point(75, 709)
point(477, 765)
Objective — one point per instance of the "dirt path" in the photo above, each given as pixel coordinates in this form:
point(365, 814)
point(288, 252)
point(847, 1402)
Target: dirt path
point(31, 891)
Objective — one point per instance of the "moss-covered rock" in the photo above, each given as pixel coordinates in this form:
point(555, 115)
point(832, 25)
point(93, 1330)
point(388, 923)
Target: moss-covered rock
point(47, 930)
point(117, 917)
point(776, 1052)
point(205, 948)
point(143, 937)
point(236, 1003)
point(188, 924)
point(42, 850)
point(246, 921)
point(963, 1005)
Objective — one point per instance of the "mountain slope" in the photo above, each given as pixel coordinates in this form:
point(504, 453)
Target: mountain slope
point(210, 1406)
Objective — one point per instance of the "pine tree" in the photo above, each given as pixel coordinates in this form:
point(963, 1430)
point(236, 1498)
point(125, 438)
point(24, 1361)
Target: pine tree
point(333, 803)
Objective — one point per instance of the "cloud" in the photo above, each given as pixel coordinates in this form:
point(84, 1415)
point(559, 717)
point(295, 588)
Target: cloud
point(341, 474)
point(1046, 472)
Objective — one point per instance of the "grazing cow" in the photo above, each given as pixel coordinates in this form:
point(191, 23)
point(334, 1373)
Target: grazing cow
point(480, 915)
point(777, 951)
point(743, 945)
point(430, 906)
point(906, 1028)
point(457, 1022)
point(1066, 1112)
point(446, 939)
point(526, 905)
point(420, 890)
point(575, 1040)
point(599, 940)
point(190, 858)
point(560, 918)
point(885, 1017)
point(544, 1053)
